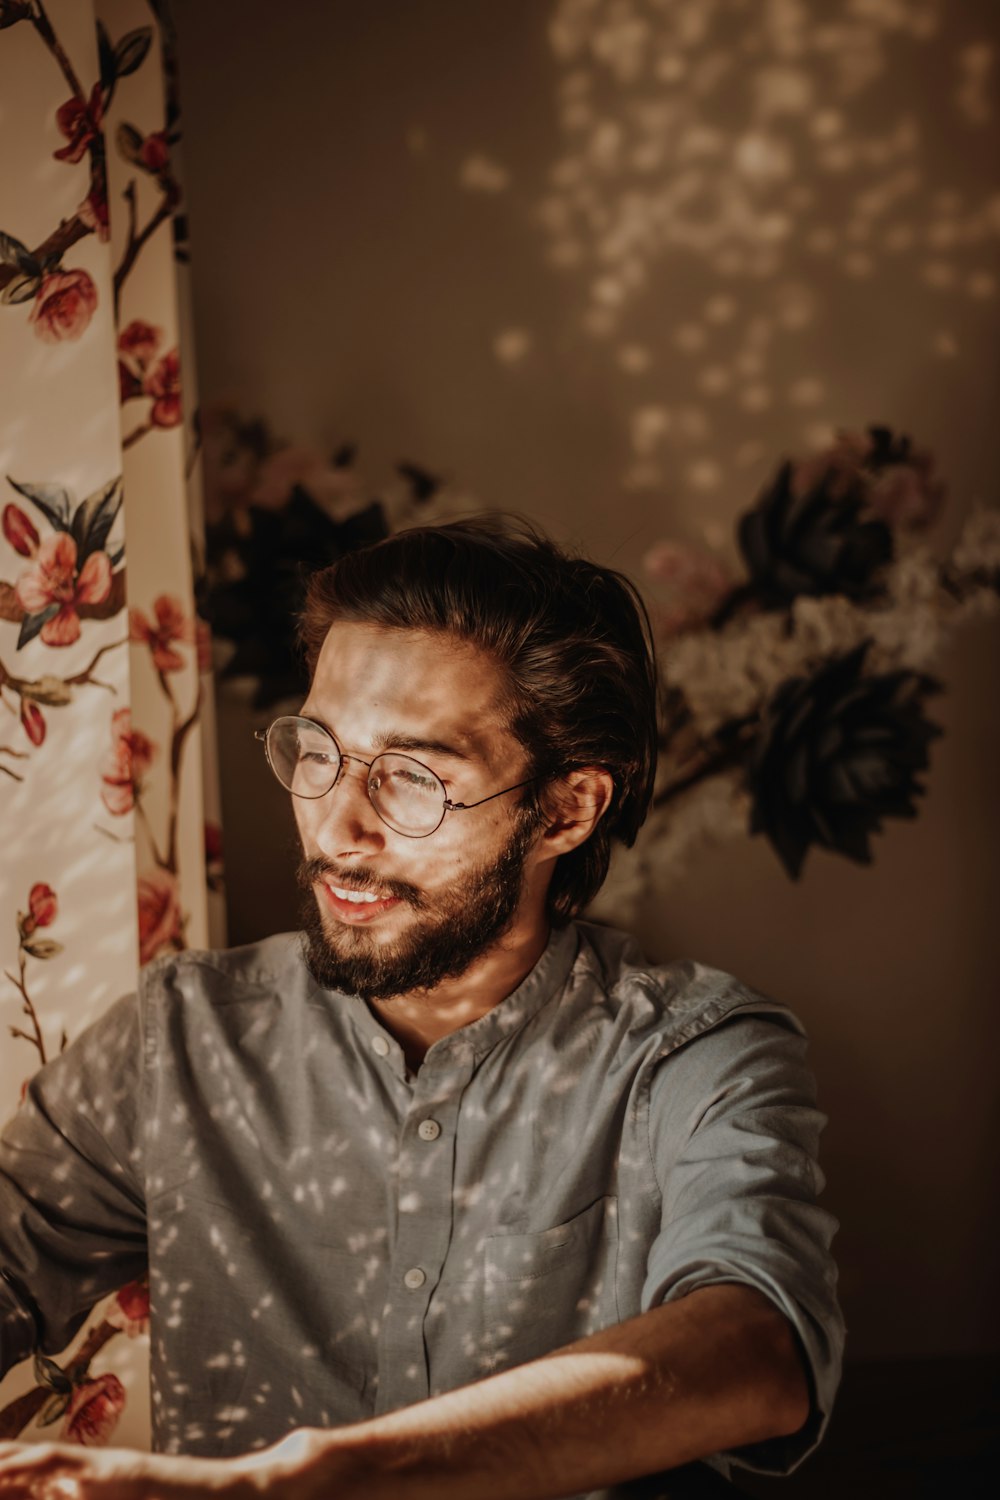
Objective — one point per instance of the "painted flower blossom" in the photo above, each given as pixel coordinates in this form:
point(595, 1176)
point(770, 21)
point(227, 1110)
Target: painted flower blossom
point(155, 152)
point(32, 721)
point(79, 120)
point(125, 764)
point(19, 531)
point(160, 919)
point(54, 579)
point(172, 625)
point(93, 1411)
point(43, 907)
point(139, 341)
point(129, 1311)
point(64, 306)
point(163, 383)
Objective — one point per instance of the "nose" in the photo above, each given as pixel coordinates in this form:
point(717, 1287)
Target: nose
point(343, 821)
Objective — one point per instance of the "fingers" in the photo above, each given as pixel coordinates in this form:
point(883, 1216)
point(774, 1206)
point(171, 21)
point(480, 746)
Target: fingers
point(59, 1471)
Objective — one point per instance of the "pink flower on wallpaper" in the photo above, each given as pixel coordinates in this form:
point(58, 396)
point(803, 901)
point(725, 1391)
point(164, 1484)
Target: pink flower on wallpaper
point(79, 121)
point(172, 625)
point(43, 907)
point(64, 306)
point(160, 919)
point(19, 531)
point(93, 1411)
point(54, 580)
point(129, 1312)
point(139, 341)
point(125, 764)
point(155, 152)
point(696, 585)
point(32, 721)
point(163, 383)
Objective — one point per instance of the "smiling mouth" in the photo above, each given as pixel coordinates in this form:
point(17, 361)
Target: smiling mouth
point(350, 895)
point(354, 906)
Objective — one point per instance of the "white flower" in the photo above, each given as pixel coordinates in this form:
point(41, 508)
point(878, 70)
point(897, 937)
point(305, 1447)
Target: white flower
point(978, 547)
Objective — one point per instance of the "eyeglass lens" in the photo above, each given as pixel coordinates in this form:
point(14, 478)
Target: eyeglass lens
point(405, 794)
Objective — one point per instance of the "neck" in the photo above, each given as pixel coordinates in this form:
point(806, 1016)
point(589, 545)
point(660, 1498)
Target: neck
point(420, 1018)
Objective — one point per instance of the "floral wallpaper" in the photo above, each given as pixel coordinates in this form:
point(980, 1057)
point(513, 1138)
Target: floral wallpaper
point(111, 858)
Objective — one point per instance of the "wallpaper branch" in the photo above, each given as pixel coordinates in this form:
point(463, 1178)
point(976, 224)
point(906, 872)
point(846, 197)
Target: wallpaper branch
point(105, 786)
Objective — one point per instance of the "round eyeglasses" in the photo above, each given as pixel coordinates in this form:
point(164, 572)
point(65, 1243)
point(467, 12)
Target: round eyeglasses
point(407, 795)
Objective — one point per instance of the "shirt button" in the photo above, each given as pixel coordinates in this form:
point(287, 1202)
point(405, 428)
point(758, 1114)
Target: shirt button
point(428, 1130)
point(380, 1046)
point(414, 1278)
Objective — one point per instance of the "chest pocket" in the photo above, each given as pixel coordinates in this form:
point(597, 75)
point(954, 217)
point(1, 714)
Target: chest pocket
point(546, 1289)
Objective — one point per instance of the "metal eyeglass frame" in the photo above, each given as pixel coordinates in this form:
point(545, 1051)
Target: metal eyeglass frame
point(447, 805)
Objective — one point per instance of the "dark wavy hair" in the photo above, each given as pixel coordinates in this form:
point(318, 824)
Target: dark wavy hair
point(573, 639)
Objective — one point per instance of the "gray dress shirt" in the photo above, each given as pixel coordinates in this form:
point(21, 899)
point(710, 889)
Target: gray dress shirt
point(330, 1236)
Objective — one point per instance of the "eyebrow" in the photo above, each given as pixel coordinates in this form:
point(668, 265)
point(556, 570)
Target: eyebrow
point(392, 739)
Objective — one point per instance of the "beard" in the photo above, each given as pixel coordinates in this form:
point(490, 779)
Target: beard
point(442, 943)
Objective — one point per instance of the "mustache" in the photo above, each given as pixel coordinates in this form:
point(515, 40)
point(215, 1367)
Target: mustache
point(312, 870)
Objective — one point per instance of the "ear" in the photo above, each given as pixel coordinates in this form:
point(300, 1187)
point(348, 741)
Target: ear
point(574, 804)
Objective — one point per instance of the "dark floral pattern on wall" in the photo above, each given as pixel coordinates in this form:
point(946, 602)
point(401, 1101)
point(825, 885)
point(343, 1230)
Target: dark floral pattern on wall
point(794, 699)
point(69, 576)
point(161, 919)
point(66, 296)
point(42, 911)
point(141, 376)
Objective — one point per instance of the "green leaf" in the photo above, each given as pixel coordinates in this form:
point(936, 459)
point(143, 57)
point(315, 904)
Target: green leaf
point(32, 624)
point(13, 253)
point(51, 691)
point(131, 50)
point(106, 54)
point(129, 142)
point(52, 500)
point(53, 1409)
point(94, 518)
point(47, 1372)
point(43, 948)
point(21, 289)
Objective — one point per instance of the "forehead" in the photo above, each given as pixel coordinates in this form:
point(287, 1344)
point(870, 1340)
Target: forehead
point(373, 680)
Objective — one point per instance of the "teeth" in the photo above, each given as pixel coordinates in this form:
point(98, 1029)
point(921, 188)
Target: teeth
point(354, 896)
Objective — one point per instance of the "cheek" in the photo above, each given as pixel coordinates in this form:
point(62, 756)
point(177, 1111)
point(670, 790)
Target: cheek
point(300, 811)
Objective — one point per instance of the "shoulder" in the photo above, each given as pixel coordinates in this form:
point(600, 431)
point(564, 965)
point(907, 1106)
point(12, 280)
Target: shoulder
point(675, 1002)
point(271, 971)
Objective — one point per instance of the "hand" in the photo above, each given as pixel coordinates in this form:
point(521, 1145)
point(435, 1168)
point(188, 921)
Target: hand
point(64, 1471)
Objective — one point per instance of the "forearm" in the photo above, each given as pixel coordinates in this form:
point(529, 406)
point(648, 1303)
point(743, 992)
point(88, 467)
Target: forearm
point(712, 1371)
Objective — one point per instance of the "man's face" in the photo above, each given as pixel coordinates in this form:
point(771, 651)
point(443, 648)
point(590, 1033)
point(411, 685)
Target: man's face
point(444, 900)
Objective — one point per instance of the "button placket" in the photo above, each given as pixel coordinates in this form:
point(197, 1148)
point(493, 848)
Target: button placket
point(425, 1184)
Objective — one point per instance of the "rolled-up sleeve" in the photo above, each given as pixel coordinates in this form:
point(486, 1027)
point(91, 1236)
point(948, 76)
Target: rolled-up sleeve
point(72, 1211)
point(734, 1132)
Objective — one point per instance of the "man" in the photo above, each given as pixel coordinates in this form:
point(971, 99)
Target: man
point(458, 1192)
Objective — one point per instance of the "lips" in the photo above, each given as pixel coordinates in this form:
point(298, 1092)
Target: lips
point(356, 912)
